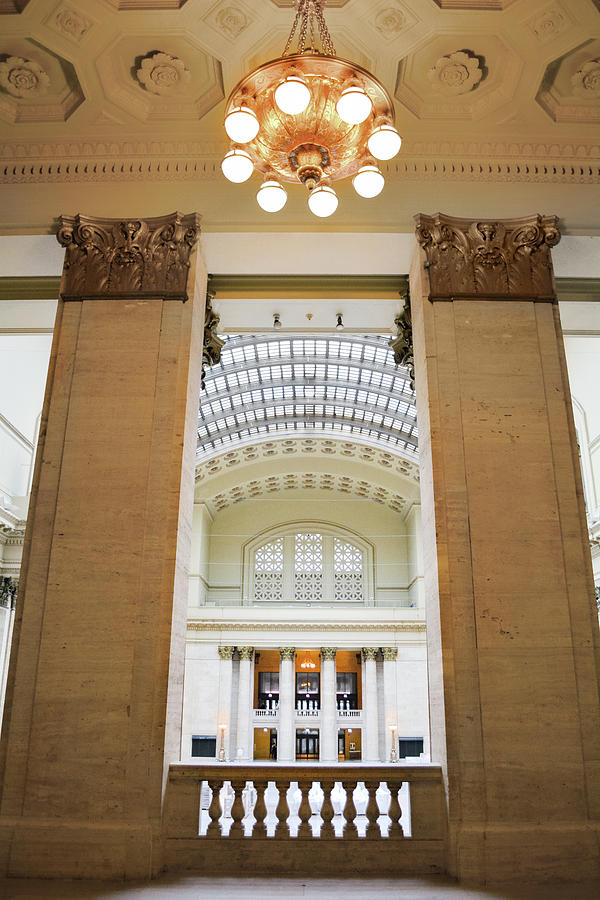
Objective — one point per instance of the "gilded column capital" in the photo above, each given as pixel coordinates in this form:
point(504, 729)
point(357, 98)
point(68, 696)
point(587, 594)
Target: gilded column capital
point(369, 652)
point(127, 257)
point(328, 652)
point(226, 652)
point(246, 652)
point(390, 652)
point(487, 260)
point(287, 652)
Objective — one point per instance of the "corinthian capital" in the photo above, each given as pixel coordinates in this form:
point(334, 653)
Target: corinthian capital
point(246, 652)
point(124, 257)
point(287, 652)
point(487, 259)
point(369, 652)
point(328, 652)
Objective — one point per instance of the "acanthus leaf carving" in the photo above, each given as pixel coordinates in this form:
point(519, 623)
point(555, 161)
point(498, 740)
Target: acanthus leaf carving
point(212, 345)
point(503, 258)
point(116, 256)
point(402, 344)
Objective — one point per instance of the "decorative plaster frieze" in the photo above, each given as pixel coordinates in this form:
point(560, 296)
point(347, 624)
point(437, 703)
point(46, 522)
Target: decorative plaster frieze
point(21, 77)
point(114, 256)
point(485, 259)
point(456, 73)
point(12, 535)
point(159, 73)
point(305, 627)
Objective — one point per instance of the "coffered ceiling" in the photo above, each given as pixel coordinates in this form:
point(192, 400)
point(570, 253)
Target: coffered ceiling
point(115, 107)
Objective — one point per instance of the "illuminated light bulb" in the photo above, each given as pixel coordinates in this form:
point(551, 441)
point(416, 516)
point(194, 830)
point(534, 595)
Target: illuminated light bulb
point(241, 124)
point(323, 201)
point(271, 196)
point(354, 106)
point(237, 166)
point(293, 95)
point(384, 142)
point(368, 181)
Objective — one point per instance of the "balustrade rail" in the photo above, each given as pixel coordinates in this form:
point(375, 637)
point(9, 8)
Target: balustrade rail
point(265, 811)
point(349, 713)
point(266, 713)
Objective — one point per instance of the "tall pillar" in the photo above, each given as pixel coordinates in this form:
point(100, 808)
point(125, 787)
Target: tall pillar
point(244, 739)
point(93, 708)
point(390, 702)
point(328, 737)
point(511, 621)
point(286, 744)
point(224, 722)
point(370, 740)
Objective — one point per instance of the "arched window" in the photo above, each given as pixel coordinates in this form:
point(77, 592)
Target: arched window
point(310, 564)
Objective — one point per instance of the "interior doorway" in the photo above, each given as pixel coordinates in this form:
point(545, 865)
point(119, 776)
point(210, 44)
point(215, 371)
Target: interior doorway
point(349, 745)
point(265, 744)
point(307, 744)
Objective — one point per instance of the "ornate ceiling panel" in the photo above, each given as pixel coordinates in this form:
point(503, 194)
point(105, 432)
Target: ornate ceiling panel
point(571, 88)
point(10, 7)
point(36, 85)
point(148, 4)
point(474, 4)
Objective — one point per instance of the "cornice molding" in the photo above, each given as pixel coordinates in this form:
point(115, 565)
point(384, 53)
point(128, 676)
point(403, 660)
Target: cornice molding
point(47, 287)
point(304, 626)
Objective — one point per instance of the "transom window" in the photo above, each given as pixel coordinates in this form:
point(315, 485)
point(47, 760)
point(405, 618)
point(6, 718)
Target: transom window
point(312, 565)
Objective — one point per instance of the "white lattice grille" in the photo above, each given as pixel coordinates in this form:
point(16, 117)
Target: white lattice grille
point(268, 571)
point(347, 572)
point(308, 567)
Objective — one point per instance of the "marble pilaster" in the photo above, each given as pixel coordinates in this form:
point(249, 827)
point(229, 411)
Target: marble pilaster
point(328, 736)
point(224, 703)
point(370, 741)
point(244, 739)
point(286, 745)
point(390, 701)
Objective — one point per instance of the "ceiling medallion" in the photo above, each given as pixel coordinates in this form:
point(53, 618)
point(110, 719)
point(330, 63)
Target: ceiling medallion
point(309, 117)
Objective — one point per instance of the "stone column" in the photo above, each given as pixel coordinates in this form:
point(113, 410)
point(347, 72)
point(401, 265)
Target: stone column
point(328, 736)
point(511, 621)
point(244, 739)
point(224, 703)
point(390, 703)
point(286, 745)
point(370, 737)
point(93, 709)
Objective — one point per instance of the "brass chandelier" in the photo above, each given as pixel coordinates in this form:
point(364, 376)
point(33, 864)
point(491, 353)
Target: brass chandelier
point(309, 117)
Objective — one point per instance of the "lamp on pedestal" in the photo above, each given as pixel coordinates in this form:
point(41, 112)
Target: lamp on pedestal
point(222, 743)
point(393, 751)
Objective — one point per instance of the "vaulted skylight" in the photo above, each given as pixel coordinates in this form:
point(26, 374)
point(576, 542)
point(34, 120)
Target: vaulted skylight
point(270, 384)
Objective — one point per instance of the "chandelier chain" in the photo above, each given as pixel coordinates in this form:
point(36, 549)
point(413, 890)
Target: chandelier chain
point(309, 13)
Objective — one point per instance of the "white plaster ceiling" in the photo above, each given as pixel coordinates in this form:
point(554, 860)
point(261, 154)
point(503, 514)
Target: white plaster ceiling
point(498, 103)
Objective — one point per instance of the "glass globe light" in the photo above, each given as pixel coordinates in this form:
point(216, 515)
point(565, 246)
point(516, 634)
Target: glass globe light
point(241, 124)
point(354, 105)
point(323, 201)
point(368, 181)
point(271, 196)
point(237, 166)
point(384, 142)
point(293, 95)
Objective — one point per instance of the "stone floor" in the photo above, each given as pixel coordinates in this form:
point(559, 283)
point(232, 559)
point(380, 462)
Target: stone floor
point(186, 888)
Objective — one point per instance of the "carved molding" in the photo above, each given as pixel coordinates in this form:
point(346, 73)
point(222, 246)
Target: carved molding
point(456, 73)
point(21, 77)
point(212, 345)
point(9, 588)
point(287, 652)
point(402, 344)
point(12, 535)
point(506, 258)
point(69, 22)
point(586, 80)
point(370, 652)
point(226, 652)
point(159, 73)
point(117, 257)
point(390, 653)
point(304, 626)
point(328, 653)
point(389, 22)
point(246, 652)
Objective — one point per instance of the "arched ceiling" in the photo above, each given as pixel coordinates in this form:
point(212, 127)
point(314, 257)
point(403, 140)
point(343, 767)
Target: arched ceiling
point(334, 385)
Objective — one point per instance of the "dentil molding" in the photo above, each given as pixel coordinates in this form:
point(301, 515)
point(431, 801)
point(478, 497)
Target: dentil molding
point(303, 626)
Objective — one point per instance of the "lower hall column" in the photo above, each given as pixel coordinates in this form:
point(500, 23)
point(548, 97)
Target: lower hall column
point(224, 722)
point(370, 740)
point(94, 698)
point(244, 739)
point(328, 738)
point(286, 744)
point(512, 628)
point(390, 704)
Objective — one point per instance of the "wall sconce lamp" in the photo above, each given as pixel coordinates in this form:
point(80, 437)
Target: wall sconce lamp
point(276, 320)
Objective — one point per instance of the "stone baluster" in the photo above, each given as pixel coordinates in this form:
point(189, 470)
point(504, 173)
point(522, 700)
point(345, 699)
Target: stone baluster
point(350, 829)
point(214, 810)
point(281, 828)
point(304, 812)
point(237, 810)
point(373, 831)
point(327, 811)
point(260, 809)
point(395, 810)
